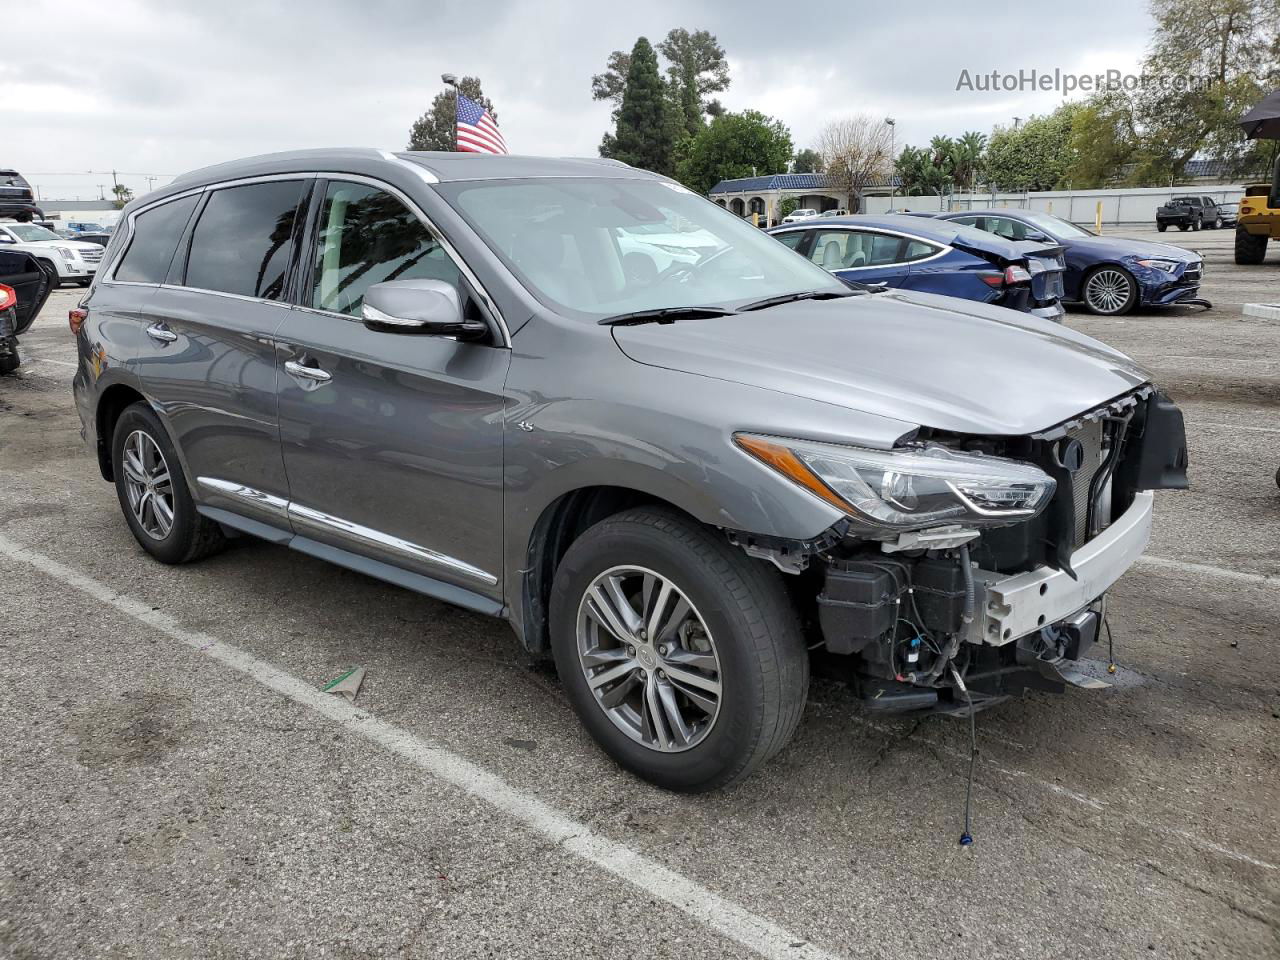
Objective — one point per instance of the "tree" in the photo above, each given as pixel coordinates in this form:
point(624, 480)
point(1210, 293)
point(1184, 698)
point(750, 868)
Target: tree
point(697, 69)
point(437, 129)
point(1104, 141)
point(647, 125)
point(733, 145)
point(1231, 45)
point(855, 151)
point(807, 161)
point(1035, 155)
point(968, 154)
point(123, 195)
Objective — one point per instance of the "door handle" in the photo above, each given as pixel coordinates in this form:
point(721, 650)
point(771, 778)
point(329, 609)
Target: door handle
point(315, 374)
point(161, 334)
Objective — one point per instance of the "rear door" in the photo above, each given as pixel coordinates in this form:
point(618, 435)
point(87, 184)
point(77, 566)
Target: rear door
point(865, 256)
point(208, 361)
point(392, 441)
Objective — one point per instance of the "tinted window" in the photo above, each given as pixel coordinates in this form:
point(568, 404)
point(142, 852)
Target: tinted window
point(241, 243)
point(367, 236)
point(791, 239)
point(155, 236)
point(918, 250)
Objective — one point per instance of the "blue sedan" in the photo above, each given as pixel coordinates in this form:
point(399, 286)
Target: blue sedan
point(916, 253)
point(1109, 275)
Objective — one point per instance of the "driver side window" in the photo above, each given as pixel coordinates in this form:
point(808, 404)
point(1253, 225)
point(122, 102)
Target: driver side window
point(367, 236)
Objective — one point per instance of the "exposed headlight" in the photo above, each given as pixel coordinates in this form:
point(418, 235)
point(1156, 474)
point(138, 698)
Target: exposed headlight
point(1168, 266)
point(66, 253)
point(908, 489)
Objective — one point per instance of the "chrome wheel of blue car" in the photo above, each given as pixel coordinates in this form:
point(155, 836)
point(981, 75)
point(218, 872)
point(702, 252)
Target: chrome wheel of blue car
point(1110, 291)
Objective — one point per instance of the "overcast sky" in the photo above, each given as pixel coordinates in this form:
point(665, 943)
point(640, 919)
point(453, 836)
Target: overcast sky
point(162, 86)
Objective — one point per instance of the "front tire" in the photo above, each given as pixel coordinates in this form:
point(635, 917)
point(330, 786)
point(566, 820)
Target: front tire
point(1110, 291)
point(1250, 249)
point(153, 491)
point(1197, 224)
point(682, 657)
point(1162, 227)
point(1217, 222)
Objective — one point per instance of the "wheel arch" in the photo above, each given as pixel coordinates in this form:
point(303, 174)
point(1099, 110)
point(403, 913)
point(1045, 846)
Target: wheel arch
point(114, 400)
point(559, 524)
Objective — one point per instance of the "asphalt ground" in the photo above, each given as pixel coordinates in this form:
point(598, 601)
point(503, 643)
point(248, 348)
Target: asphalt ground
point(176, 786)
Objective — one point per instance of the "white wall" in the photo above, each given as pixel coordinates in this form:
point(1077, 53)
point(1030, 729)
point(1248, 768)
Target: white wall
point(104, 217)
point(1121, 206)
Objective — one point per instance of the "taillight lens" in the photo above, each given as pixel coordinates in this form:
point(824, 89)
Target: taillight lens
point(76, 317)
point(8, 297)
point(1014, 275)
point(992, 279)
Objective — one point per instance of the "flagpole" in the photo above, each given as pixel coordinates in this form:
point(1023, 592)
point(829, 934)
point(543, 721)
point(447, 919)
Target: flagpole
point(451, 80)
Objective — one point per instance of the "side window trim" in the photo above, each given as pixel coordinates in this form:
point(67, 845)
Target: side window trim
point(109, 273)
point(177, 275)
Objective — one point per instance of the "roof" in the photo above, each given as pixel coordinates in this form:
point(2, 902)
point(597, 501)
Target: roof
point(443, 166)
point(793, 181)
point(926, 228)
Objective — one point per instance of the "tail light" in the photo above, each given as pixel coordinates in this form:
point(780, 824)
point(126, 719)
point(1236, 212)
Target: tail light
point(8, 297)
point(1014, 275)
point(76, 317)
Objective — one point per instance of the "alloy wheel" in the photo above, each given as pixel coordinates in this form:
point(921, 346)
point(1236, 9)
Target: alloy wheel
point(148, 484)
point(1107, 291)
point(649, 659)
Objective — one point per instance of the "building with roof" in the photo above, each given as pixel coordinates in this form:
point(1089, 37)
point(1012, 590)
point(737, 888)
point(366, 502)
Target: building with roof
point(764, 195)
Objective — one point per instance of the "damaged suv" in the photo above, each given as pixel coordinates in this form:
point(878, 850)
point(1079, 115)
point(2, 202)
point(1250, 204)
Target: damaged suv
point(682, 477)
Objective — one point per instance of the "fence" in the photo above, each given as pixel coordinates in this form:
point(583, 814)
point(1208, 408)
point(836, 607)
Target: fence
point(1120, 206)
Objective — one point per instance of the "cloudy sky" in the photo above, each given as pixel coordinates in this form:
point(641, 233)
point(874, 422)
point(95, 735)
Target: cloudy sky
point(161, 86)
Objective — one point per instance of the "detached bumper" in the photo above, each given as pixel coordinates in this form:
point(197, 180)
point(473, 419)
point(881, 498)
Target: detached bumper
point(1012, 607)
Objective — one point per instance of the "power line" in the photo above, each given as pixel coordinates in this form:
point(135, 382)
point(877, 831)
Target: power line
point(84, 173)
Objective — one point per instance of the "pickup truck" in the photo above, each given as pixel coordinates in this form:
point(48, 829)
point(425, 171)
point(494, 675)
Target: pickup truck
point(1190, 213)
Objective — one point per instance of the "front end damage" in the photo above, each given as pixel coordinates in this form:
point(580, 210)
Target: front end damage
point(956, 617)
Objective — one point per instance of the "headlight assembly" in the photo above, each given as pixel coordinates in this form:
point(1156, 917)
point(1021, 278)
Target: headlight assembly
point(893, 490)
point(66, 253)
point(1168, 266)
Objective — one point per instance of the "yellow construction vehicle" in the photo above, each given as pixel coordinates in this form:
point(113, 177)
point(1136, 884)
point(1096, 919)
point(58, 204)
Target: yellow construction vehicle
point(1259, 219)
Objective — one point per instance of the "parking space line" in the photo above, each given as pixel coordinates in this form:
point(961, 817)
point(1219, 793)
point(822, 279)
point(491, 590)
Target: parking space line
point(750, 930)
point(61, 363)
point(1204, 570)
point(1237, 426)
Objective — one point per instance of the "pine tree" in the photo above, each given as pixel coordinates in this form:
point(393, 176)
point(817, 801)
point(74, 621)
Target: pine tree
point(647, 125)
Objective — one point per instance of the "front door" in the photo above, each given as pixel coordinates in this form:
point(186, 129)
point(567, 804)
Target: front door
point(392, 441)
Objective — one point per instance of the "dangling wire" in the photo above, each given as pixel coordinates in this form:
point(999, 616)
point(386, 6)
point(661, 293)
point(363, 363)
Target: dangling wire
point(966, 838)
point(1111, 649)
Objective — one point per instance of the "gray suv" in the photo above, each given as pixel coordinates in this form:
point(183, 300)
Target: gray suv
point(676, 456)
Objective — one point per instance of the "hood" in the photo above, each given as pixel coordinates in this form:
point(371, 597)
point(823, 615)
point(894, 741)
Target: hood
point(1117, 248)
point(935, 361)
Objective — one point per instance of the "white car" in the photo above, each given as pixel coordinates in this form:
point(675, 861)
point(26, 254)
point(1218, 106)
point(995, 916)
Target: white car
point(666, 246)
point(804, 213)
point(838, 212)
point(74, 261)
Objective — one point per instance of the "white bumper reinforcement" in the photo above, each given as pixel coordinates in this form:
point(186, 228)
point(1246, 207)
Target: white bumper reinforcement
point(1012, 607)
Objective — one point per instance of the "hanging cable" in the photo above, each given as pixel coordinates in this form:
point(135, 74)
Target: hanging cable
point(966, 838)
point(1111, 650)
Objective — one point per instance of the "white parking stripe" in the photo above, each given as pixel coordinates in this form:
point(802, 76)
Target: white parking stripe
point(61, 363)
point(1204, 570)
point(1237, 426)
point(756, 933)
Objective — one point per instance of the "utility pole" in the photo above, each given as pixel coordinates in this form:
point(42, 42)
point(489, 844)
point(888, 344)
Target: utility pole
point(150, 181)
point(893, 159)
point(101, 188)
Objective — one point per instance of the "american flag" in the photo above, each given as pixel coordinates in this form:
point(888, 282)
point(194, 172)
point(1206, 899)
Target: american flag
point(477, 133)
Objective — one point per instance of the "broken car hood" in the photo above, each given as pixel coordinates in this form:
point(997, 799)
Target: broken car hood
point(935, 361)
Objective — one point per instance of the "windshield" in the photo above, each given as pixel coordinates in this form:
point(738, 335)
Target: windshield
point(597, 248)
point(1055, 226)
point(30, 232)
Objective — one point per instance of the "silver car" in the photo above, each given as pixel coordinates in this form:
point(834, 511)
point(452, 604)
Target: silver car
point(682, 479)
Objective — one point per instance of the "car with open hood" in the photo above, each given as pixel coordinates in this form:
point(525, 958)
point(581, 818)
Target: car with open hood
point(679, 482)
point(1108, 275)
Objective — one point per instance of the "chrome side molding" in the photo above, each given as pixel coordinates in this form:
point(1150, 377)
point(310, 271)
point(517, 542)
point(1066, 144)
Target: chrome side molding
point(286, 510)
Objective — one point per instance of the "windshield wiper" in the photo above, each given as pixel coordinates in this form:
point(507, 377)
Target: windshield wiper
point(793, 297)
point(665, 315)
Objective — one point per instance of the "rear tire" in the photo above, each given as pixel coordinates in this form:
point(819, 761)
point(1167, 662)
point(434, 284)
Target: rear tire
point(1250, 249)
point(153, 492)
point(738, 630)
point(1197, 224)
point(1162, 227)
point(10, 363)
point(1217, 222)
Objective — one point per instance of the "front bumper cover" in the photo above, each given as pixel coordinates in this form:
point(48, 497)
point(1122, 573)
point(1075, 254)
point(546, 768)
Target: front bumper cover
point(1010, 607)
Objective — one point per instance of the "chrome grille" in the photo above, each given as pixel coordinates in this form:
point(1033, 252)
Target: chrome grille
point(91, 256)
point(1090, 435)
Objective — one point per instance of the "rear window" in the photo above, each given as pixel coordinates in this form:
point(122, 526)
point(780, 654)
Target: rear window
point(243, 239)
point(156, 233)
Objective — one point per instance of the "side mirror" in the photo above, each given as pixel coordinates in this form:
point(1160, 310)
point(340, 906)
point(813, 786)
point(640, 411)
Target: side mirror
point(428, 307)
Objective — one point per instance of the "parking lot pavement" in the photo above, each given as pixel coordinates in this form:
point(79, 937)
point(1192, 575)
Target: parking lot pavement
point(175, 787)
